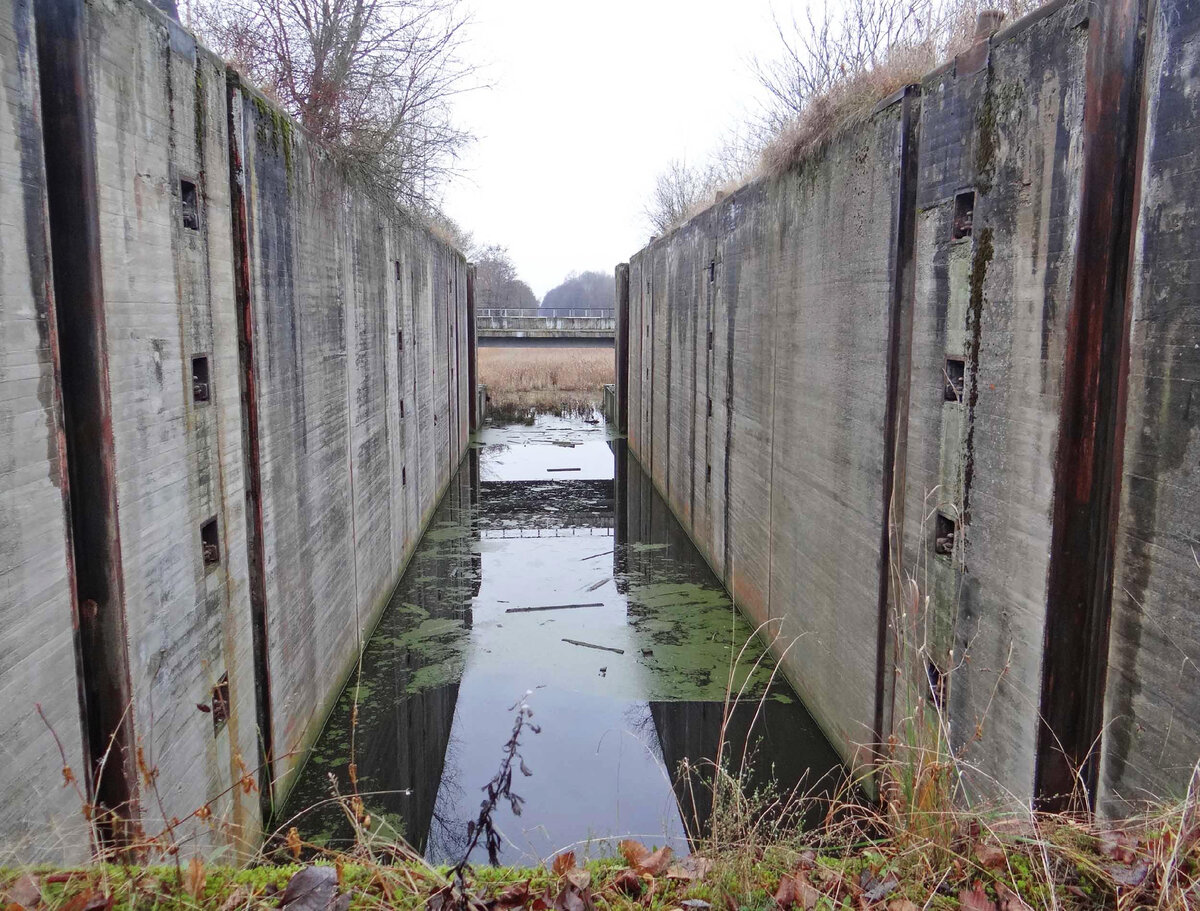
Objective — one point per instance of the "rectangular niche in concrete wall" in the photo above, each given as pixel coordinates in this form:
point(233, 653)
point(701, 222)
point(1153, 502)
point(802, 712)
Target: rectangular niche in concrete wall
point(944, 534)
point(954, 376)
point(964, 214)
point(201, 383)
point(190, 204)
point(210, 546)
point(220, 704)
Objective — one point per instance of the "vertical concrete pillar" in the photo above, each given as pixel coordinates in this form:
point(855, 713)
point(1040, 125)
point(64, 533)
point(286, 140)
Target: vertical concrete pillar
point(621, 345)
point(472, 352)
point(73, 195)
point(1091, 422)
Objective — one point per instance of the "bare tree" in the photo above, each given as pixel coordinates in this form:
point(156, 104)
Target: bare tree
point(496, 281)
point(679, 192)
point(371, 79)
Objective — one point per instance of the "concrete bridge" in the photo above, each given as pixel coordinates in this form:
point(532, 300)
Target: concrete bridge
point(544, 327)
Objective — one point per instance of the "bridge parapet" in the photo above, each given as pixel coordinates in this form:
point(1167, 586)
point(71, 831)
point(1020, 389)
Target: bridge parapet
point(530, 323)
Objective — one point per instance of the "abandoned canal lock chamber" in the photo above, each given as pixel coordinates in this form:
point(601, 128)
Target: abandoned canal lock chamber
point(233, 386)
point(949, 355)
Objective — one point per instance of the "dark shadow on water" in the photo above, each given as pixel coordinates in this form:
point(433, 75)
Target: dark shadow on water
point(627, 655)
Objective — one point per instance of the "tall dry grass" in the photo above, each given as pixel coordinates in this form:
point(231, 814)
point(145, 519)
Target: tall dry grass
point(513, 370)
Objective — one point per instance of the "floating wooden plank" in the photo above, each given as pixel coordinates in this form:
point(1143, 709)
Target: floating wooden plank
point(603, 648)
point(529, 610)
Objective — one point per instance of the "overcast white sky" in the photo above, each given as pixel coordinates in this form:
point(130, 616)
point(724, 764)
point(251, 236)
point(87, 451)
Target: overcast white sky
point(590, 101)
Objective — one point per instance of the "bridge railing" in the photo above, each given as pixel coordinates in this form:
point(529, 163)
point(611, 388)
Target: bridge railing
point(547, 312)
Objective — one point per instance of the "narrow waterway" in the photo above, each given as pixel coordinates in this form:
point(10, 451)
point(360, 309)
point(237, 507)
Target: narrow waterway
point(552, 567)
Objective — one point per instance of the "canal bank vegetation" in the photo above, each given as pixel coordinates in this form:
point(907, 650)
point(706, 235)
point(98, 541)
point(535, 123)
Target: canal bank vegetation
point(755, 848)
point(523, 382)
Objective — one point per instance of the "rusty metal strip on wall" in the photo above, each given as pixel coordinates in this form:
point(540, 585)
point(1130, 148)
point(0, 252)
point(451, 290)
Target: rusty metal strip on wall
point(1091, 422)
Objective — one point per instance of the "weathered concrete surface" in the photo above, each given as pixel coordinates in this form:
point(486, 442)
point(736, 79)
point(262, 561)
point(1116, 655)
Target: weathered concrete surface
point(297, 513)
point(1008, 129)
point(158, 103)
point(39, 818)
point(760, 339)
point(1152, 715)
point(361, 350)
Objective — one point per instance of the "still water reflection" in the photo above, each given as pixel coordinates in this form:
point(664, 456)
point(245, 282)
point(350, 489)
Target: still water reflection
point(548, 517)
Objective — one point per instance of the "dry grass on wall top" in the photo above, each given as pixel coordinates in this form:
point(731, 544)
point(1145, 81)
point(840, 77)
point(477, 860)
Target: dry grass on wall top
point(513, 370)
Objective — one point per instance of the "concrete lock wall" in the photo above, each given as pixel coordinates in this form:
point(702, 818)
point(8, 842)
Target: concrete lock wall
point(39, 818)
point(885, 394)
point(225, 422)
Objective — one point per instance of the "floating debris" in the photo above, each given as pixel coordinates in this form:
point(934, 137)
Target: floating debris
point(529, 610)
point(603, 648)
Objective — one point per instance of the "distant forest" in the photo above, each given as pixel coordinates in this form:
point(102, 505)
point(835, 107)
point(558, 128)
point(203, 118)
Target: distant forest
point(589, 290)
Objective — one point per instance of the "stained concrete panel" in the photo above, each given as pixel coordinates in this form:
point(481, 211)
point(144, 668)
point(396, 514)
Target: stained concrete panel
point(356, 308)
point(40, 819)
point(159, 104)
point(1152, 715)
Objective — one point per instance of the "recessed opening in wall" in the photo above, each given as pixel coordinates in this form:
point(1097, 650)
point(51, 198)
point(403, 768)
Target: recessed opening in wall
point(397, 264)
point(944, 531)
point(402, 408)
point(964, 214)
point(954, 377)
point(710, 408)
point(220, 703)
point(710, 339)
point(190, 200)
point(210, 547)
point(712, 271)
point(404, 476)
point(707, 473)
point(937, 684)
point(201, 389)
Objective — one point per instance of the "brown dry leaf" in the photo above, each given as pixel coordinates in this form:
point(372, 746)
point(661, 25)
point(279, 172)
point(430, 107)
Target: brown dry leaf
point(634, 852)
point(87, 901)
point(580, 879)
point(655, 862)
point(991, 857)
point(690, 868)
point(238, 898)
point(515, 896)
point(976, 899)
point(25, 892)
point(1009, 900)
point(194, 879)
point(902, 904)
point(628, 882)
point(786, 894)
point(563, 862)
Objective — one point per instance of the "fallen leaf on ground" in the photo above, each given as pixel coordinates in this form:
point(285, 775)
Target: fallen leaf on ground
point(238, 897)
point(902, 904)
point(87, 901)
point(991, 857)
point(1130, 877)
point(655, 862)
point(580, 879)
point(628, 882)
point(976, 899)
point(25, 892)
point(876, 887)
point(1009, 900)
point(515, 896)
point(689, 868)
point(695, 904)
point(563, 862)
point(634, 852)
point(310, 889)
point(195, 878)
